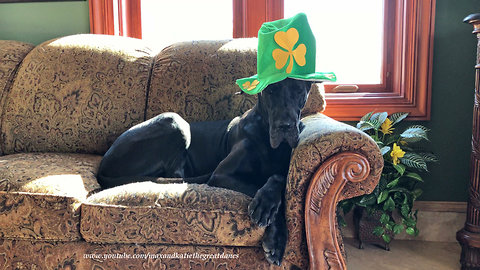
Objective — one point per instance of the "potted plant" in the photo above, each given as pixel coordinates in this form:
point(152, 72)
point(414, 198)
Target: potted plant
point(390, 205)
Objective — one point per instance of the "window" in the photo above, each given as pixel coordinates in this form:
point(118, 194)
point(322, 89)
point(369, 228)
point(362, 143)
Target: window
point(163, 25)
point(389, 60)
point(356, 56)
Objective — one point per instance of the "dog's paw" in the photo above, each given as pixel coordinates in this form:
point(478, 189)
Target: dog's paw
point(274, 242)
point(264, 207)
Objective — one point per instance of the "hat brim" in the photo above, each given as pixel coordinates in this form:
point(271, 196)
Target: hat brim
point(254, 85)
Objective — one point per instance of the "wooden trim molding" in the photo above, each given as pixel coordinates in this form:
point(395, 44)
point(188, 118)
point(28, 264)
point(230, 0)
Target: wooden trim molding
point(412, 71)
point(101, 17)
point(440, 206)
point(133, 18)
point(249, 15)
point(323, 194)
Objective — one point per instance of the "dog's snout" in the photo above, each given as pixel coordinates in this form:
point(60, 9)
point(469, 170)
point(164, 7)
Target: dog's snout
point(284, 125)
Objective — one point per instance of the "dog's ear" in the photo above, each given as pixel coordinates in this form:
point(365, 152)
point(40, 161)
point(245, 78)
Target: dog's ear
point(301, 126)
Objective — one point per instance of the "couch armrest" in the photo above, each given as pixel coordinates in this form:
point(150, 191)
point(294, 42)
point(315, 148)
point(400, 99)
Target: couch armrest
point(332, 162)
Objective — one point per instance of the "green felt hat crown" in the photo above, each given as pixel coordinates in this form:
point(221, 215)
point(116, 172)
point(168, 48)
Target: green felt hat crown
point(286, 49)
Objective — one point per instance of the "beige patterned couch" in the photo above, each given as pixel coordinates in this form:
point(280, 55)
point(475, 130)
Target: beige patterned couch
point(62, 104)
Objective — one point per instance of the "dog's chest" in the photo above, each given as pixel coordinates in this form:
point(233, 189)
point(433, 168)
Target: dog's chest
point(276, 161)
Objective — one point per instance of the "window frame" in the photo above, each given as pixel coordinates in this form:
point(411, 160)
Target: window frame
point(102, 16)
point(408, 60)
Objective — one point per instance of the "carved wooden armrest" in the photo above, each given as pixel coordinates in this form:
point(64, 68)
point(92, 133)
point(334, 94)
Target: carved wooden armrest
point(332, 162)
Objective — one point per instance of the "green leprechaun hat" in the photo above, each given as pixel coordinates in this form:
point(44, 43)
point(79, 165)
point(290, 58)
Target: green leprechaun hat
point(286, 49)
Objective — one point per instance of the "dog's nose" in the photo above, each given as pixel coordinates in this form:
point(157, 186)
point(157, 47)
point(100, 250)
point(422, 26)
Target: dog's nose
point(284, 125)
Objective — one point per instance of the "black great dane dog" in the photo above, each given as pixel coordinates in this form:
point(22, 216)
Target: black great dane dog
point(249, 154)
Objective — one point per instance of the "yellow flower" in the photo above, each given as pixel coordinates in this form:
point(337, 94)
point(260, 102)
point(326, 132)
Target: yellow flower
point(386, 127)
point(396, 153)
point(249, 86)
point(287, 41)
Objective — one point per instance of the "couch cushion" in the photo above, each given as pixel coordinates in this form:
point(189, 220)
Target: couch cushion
point(197, 79)
point(11, 55)
point(24, 254)
point(76, 94)
point(169, 214)
point(40, 194)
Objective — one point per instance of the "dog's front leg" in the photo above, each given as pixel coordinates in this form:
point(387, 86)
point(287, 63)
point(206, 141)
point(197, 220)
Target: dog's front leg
point(266, 202)
point(275, 237)
point(268, 209)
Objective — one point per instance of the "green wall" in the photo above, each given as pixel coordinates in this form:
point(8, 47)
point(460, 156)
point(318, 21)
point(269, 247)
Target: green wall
point(452, 101)
point(38, 22)
point(452, 85)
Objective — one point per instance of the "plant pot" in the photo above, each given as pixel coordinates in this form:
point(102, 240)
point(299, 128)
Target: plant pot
point(365, 224)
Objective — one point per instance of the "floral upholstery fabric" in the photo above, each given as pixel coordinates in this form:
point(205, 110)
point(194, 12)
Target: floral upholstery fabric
point(40, 194)
point(187, 214)
point(11, 55)
point(197, 80)
point(322, 138)
point(76, 94)
point(21, 254)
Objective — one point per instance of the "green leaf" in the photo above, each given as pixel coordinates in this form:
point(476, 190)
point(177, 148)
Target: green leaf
point(405, 210)
point(414, 134)
point(393, 183)
point(366, 116)
point(367, 200)
point(385, 149)
point(416, 193)
point(428, 157)
point(410, 231)
point(397, 117)
point(378, 231)
point(400, 189)
point(413, 160)
point(383, 196)
point(365, 125)
point(384, 219)
point(409, 222)
point(398, 228)
point(414, 176)
point(389, 204)
point(386, 238)
point(378, 119)
point(346, 206)
point(400, 168)
point(392, 139)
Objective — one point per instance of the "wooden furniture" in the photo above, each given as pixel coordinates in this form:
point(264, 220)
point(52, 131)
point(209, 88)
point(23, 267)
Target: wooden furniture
point(469, 236)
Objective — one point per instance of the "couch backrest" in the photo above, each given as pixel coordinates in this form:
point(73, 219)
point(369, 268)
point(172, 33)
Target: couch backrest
point(197, 79)
point(79, 93)
point(11, 55)
point(76, 94)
